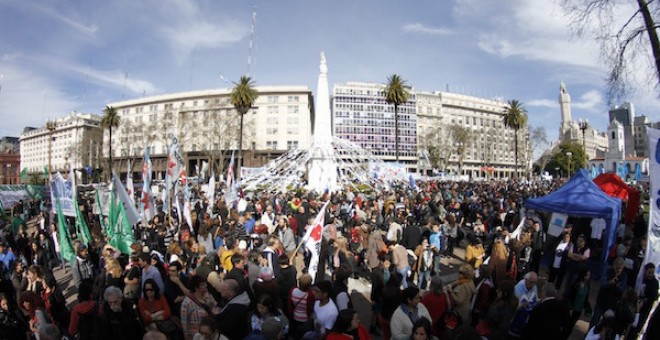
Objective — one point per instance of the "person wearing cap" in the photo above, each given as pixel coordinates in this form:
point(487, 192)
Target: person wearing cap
point(325, 310)
point(82, 266)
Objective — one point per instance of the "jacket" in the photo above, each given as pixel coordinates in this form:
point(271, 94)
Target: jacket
point(233, 320)
point(400, 323)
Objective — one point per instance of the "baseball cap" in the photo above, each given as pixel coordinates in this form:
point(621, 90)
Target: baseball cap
point(273, 326)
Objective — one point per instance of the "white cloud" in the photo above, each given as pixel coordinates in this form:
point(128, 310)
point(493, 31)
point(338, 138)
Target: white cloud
point(72, 22)
point(591, 100)
point(30, 99)
point(421, 28)
point(543, 103)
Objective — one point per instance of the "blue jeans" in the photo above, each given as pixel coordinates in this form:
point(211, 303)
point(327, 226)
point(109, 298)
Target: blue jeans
point(404, 272)
point(423, 276)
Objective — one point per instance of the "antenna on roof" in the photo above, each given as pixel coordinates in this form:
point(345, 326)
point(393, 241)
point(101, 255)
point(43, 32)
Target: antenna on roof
point(254, 22)
point(123, 90)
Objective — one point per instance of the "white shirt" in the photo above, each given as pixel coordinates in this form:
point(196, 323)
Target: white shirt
point(556, 263)
point(598, 225)
point(326, 315)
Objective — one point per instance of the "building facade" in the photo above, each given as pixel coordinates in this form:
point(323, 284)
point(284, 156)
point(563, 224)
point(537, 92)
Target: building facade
point(10, 161)
point(616, 156)
point(361, 115)
point(73, 141)
point(465, 135)
point(206, 126)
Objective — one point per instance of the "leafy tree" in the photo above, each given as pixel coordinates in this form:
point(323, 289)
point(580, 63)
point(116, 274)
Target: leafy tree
point(242, 97)
point(567, 164)
point(461, 137)
point(623, 47)
point(515, 117)
point(110, 120)
point(396, 93)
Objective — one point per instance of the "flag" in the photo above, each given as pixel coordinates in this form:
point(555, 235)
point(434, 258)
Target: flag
point(98, 203)
point(205, 168)
point(123, 237)
point(118, 188)
point(81, 227)
point(312, 241)
point(146, 202)
point(186, 202)
point(129, 183)
point(652, 254)
point(45, 171)
point(66, 247)
point(211, 194)
point(24, 175)
point(230, 172)
point(174, 164)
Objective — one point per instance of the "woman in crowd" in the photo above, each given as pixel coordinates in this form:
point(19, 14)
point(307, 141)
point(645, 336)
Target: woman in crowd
point(301, 307)
point(39, 257)
point(35, 280)
point(266, 307)
point(422, 330)
point(32, 307)
point(391, 301)
point(11, 326)
point(435, 301)
point(152, 306)
point(55, 304)
point(205, 238)
point(342, 255)
point(461, 293)
point(474, 252)
point(498, 260)
point(558, 266)
point(195, 306)
point(577, 296)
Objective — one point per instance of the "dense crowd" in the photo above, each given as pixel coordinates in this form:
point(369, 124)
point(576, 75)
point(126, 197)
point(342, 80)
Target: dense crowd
point(443, 260)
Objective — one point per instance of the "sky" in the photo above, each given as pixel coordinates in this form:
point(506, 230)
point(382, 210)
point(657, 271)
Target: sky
point(62, 56)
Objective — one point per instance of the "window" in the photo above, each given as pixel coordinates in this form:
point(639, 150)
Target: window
point(613, 135)
point(273, 99)
point(293, 109)
point(292, 120)
point(291, 131)
point(273, 110)
point(271, 144)
point(194, 103)
point(272, 121)
point(293, 99)
point(271, 131)
point(291, 144)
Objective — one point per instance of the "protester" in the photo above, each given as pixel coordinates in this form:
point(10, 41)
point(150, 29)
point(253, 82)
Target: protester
point(405, 316)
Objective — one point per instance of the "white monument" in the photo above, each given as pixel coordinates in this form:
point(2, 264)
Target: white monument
point(322, 174)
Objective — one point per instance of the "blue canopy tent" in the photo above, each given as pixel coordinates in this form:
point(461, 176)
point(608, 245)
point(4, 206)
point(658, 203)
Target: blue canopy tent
point(581, 197)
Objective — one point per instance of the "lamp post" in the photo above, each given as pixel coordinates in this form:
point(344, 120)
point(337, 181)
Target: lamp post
point(50, 126)
point(584, 124)
point(570, 159)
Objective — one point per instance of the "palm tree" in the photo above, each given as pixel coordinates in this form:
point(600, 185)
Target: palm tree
point(515, 117)
point(396, 93)
point(243, 96)
point(110, 119)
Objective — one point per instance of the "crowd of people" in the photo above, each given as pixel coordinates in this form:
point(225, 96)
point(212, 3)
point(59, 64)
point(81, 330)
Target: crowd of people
point(444, 260)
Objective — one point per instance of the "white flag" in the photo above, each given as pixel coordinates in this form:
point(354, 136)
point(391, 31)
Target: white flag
point(653, 247)
point(312, 241)
point(131, 212)
point(211, 194)
point(129, 183)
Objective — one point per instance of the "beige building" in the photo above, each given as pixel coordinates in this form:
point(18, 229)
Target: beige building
point(207, 127)
point(489, 147)
point(75, 141)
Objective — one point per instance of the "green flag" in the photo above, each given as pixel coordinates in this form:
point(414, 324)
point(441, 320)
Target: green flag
point(24, 174)
point(81, 226)
point(45, 171)
point(66, 247)
point(98, 203)
point(124, 232)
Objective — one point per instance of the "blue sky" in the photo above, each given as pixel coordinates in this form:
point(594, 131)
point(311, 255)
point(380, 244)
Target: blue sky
point(60, 56)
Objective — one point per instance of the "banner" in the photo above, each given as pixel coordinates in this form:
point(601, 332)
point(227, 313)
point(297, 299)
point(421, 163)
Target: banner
point(132, 214)
point(653, 248)
point(63, 191)
point(146, 202)
point(312, 241)
point(129, 182)
point(12, 195)
point(210, 194)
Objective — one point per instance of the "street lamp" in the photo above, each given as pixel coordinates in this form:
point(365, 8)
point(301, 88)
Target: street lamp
point(584, 124)
point(570, 159)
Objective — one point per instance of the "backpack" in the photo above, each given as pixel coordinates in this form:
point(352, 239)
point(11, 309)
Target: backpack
point(88, 324)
